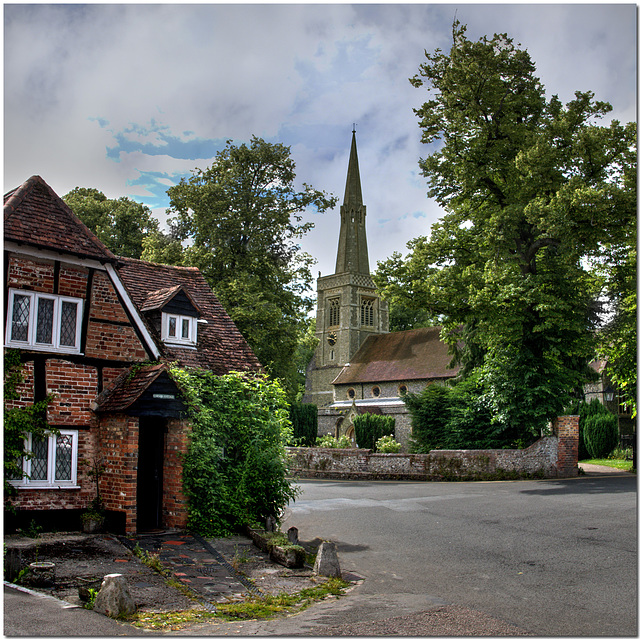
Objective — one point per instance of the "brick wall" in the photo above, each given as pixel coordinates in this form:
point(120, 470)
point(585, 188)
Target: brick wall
point(119, 450)
point(566, 430)
point(174, 502)
point(555, 456)
point(30, 274)
point(74, 387)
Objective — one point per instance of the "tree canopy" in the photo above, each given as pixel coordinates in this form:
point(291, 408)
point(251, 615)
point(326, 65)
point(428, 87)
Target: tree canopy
point(533, 190)
point(121, 225)
point(241, 220)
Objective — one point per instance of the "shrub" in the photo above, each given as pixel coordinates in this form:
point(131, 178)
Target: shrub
point(594, 416)
point(304, 420)
point(329, 441)
point(234, 472)
point(369, 428)
point(455, 417)
point(388, 444)
point(600, 435)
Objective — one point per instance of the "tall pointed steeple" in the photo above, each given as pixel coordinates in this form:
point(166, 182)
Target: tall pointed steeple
point(349, 306)
point(353, 255)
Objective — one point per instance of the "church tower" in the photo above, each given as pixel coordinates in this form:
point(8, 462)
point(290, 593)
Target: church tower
point(349, 308)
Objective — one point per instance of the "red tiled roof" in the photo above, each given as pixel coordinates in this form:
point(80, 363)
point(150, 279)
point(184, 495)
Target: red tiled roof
point(35, 215)
point(406, 355)
point(221, 347)
point(157, 299)
point(128, 388)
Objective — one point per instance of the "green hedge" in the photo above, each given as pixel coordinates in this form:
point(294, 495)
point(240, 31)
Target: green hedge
point(369, 428)
point(304, 420)
point(598, 429)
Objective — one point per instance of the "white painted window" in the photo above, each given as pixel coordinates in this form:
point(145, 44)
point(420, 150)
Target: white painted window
point(53, 463)
point(179, 329)
point(40, 321)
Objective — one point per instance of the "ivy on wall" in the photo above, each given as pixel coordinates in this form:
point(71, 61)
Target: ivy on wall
point(19, 421)
point(234, 473)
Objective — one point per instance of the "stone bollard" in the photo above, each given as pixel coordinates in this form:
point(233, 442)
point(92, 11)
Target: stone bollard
point(114, 599)
point(327, 563)
point(271, 524)
point(292, 535)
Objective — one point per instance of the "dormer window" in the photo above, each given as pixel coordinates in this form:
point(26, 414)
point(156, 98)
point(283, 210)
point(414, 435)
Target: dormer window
point(179, 329)
point(175, 313)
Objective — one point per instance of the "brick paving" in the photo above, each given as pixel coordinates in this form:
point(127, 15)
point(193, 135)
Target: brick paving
point(193, 561)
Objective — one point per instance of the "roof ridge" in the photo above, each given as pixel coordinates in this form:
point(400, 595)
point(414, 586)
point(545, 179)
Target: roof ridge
point(18, 195)
point(175, 266)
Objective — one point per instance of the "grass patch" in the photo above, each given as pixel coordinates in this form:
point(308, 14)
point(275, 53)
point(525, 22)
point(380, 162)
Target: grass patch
point(621, 464)
point(252, 608)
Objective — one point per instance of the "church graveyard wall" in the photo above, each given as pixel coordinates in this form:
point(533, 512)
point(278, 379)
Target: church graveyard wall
point(554, 456)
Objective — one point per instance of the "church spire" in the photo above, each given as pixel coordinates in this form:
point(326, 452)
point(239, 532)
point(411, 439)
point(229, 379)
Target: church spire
point(353, 256)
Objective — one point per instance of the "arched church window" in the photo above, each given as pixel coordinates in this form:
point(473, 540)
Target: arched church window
point(334, 312)
point(366, 312)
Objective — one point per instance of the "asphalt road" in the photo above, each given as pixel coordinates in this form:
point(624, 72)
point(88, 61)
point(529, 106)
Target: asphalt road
point(545, 558)
point(550, 557)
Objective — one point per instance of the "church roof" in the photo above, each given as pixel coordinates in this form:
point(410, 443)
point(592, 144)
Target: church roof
point(402, 356)
point(36, 216)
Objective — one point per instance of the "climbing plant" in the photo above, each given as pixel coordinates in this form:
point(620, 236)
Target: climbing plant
point(20, 419)
point(234, 472)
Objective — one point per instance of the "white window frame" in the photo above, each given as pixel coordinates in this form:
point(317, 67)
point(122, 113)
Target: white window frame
point(30, 342)
point(178, 339)
point(50, 482)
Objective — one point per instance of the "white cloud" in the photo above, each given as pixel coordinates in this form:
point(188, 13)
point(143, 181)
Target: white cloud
point(169, 84)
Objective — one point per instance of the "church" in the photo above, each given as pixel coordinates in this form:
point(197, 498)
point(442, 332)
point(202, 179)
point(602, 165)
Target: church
point(358, 365)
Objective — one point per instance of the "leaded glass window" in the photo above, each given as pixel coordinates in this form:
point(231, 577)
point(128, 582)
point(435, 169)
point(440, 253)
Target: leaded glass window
point(40, 460)
point(64, 450)
point(20, 318)
point(44, 323)
point(68, 324)
point(53, 461)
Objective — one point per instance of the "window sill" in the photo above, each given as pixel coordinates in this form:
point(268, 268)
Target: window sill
point(47, 487)
point(43, 347)
point(191, 347)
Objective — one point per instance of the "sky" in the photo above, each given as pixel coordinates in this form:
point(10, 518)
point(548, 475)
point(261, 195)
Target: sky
point(130, 98)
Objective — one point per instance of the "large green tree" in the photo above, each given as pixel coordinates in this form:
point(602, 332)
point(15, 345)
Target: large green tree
point(242, 219)
point(121, 225)
point(532, 189)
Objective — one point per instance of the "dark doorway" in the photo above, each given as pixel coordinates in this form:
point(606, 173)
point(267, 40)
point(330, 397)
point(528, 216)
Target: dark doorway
point(150, 463)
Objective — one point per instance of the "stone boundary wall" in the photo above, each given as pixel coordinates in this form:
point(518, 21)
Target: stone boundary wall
point(554, 456)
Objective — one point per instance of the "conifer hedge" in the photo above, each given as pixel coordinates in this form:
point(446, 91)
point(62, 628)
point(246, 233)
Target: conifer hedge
point(370, 428)
point(304, 420)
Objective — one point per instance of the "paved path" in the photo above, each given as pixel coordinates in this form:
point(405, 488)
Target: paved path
point(196, 563)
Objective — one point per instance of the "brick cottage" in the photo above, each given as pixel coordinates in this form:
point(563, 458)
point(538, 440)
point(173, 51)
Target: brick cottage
point(97, 333)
